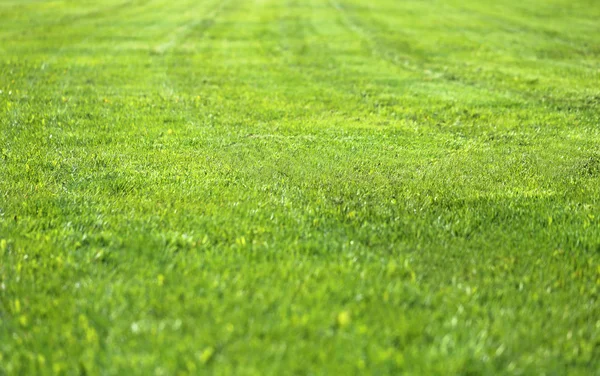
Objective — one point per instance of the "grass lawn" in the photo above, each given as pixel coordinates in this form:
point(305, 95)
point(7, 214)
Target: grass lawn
point(299, 187)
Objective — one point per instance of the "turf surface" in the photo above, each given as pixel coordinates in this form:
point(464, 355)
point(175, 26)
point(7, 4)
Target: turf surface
point(299, 187)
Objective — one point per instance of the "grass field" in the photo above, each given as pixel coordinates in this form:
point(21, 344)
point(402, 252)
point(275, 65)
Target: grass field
point(299, 187)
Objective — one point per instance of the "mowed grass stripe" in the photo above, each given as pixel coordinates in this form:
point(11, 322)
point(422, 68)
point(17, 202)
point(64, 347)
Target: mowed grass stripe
point(491, 51)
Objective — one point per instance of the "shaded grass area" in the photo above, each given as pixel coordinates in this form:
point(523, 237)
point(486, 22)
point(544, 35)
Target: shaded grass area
point(299, 187)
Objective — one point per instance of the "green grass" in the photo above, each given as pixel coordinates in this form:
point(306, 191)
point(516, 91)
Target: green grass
point(299, 187)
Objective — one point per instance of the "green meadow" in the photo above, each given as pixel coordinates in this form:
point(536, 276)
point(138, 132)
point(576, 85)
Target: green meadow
point(307, 187)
